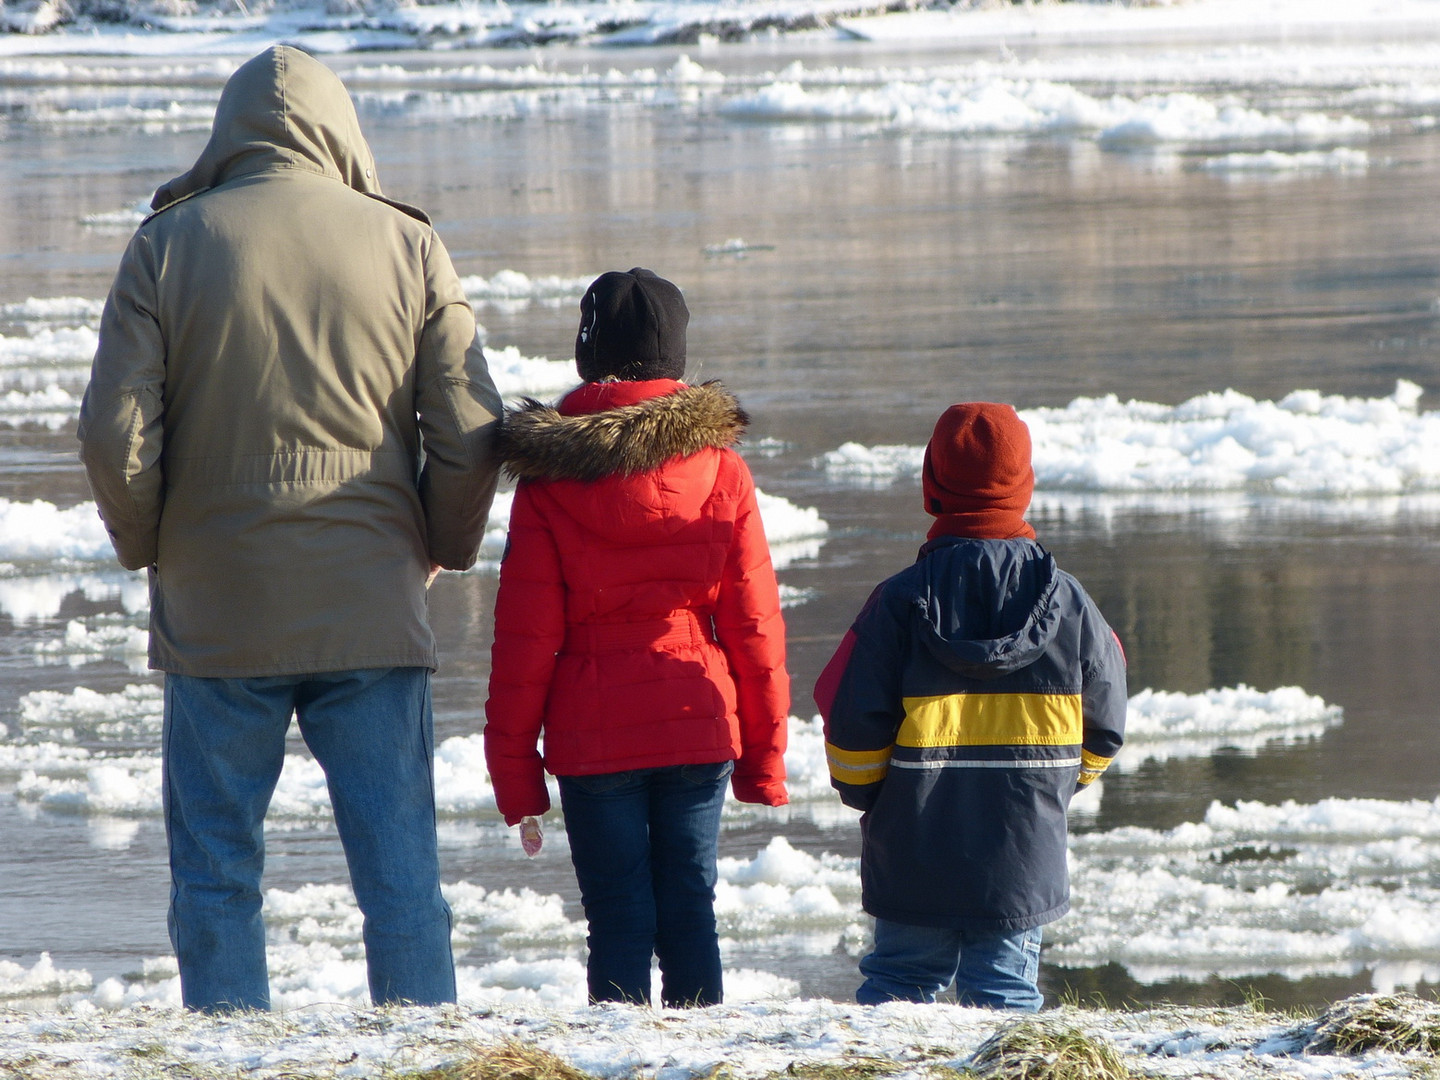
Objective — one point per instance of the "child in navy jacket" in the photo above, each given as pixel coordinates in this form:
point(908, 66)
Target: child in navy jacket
point(976, 691)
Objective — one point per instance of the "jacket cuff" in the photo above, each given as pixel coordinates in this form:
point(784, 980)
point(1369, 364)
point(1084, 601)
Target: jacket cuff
point(533, 803)
point(764, 792)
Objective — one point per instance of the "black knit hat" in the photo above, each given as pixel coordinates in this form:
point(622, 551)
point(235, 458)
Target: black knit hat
point(632, 327)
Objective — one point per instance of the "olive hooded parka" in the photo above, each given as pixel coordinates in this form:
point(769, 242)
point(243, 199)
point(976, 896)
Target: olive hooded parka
point(281, 350)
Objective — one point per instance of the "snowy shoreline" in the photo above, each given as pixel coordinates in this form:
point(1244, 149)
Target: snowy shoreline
point(764, 1040)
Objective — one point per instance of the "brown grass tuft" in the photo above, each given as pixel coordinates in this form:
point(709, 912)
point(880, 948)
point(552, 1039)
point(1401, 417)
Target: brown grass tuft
point(1034, 1050)
point(509, 1060)
point(1393, 1023)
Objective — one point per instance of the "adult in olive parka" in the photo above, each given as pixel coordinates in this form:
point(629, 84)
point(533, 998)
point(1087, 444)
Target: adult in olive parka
point(290, 424)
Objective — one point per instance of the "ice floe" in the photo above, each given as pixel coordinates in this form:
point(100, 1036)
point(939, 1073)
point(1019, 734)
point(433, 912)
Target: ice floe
point(1307, 444)
point(1001, 106)
point(1340, 886)
point(1161, 725)
point(54, 774)
point(1333, 887)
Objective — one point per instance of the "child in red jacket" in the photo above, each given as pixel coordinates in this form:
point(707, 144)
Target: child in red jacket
point(638, 626)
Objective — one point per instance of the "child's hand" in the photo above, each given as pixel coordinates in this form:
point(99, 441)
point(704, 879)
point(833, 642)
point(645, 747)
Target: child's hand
point(531, 838)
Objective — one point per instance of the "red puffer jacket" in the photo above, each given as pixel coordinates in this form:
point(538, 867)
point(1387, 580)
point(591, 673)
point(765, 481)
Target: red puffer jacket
point(638, 620)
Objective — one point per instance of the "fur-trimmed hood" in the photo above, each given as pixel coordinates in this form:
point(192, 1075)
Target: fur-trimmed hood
point(541, 442)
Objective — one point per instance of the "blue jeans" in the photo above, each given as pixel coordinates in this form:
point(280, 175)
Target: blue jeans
point(224, 744)
point(914, 963)
point(644, 845)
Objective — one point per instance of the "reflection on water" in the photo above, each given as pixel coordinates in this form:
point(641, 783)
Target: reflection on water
point(882, 275)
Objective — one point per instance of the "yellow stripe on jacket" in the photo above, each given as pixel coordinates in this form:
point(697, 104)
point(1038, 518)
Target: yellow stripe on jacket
point(1091, 766)
point(992, 720)
point(857, 766)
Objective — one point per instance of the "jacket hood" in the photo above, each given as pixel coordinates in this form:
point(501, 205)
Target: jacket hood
point(282, 109)
point(1016, 580)
point(540, 442)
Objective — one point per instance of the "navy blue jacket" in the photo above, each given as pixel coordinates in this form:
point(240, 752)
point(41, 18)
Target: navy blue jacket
point(973, 694)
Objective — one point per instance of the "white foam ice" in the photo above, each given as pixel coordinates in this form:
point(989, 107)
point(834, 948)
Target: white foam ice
point(67, 116)
point(879, 465)
point(1339, 886)
point(76, 310)
point(27, 597)
point(997, 105)
point(1206, 22)
point(57, 775)
point(79, 781)
point(1270, 163)
point(97, 638)
point(783, 891)
point(1334, 887)
point(47, 355)
point(517, 375)
point(1306, 445)
point(125, 220)
point(795, 532)
point(40, 979)
point(49, 346)
point(514, 287)
point(1162, 725)
point(793, 596)
point(128, 715)
point(737, 247)
point(315, 946)
point(40, 531)
point(1124, 101)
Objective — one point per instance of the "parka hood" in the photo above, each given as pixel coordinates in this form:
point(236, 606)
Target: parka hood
point(1016, 580)
point(282, 109)
point(540, 442)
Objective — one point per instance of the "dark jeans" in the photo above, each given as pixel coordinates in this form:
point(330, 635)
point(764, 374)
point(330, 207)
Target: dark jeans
point(643, 843)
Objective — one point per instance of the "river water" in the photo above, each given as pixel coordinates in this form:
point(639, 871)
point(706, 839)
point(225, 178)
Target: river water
point(884, 273)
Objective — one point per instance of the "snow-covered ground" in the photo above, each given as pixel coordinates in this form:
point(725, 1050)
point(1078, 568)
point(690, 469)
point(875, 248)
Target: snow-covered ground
point(764, 1039)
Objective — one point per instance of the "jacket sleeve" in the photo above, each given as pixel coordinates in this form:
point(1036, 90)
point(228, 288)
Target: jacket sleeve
point(751, 631)
point(122, 415)
point(1104, 698)
point(459, 412)
point(859, 698)
point(529, 631)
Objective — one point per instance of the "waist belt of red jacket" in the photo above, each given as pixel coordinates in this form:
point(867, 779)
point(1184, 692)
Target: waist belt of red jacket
point(682, 628)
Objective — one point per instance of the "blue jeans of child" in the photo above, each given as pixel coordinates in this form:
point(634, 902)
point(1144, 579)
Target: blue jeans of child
point(644, 847)
point(224, 744)
point(914, 963)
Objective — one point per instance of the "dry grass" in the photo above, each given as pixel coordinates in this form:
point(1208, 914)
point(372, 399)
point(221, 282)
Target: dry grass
point(1393, 1023)
point(848, 1068)
point(510, 1060)
point(1035, 1050)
